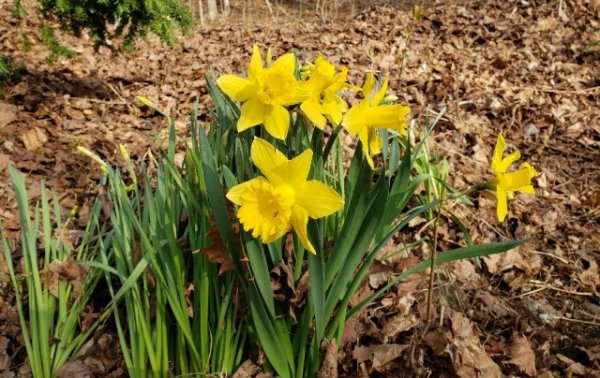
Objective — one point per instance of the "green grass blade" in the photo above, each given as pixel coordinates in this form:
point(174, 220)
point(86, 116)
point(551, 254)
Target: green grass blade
point(316, 271)
point(260, 272)
point(354, 256)
point(271, 339)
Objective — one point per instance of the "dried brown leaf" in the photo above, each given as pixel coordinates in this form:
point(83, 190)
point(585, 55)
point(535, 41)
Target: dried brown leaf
point(463, 271)
point(247, 369)
point(546, 24)
point(349, 334)
point(514, 258)
point(96, 358)
point(494, 304)
point(329, 366)
point(403, 320)
point(8, 113)
point(69, 271)
point(522, 355)
point(74, 369)
point(33, 138)
point(591, 277)
point(541, 310)
point(5, 161)
point(379, 355)
point(4, 357)
point(573, 367)
point(437, 341)
point(217, 253)
point(470, 358)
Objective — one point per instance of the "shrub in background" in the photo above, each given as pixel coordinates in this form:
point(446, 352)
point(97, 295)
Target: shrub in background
point(103, 20)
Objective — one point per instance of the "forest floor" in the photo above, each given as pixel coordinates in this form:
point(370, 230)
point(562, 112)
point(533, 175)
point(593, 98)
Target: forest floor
point(527, 68)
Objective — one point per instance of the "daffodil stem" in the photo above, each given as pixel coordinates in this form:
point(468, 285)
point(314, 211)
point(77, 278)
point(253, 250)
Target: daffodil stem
point(482, 186)
point(330, 142)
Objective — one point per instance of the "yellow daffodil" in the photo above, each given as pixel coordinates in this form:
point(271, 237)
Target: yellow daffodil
point(323, 84)
point(265, 93)
point(282, 198)
point(368, 115)
point(506, 183)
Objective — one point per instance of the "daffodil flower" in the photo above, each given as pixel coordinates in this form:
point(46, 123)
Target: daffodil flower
point(506, 183)
point(283, 198)
point(265, 93)
point(323, 84)
point(369, 115)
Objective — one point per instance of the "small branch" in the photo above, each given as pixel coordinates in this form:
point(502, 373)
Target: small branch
point(270, 9)
point(433, 260)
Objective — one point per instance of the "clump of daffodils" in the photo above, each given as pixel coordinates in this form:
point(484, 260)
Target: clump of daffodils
point(283, 197)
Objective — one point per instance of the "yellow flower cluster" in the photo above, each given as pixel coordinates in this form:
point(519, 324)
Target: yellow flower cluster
point(283, 198)
point(268, 92)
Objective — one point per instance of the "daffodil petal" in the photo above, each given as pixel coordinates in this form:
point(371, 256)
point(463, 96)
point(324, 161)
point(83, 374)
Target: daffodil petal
point(316, 84)
point(299, 94)
point(267, 158)
point(312, 109)
point(354, 119)
point(253, 113)
point(339, 81)
point(497, 157)
point(529, 189)
point(261, 210)
point(334, 108)
point(278, 233)
point(255, 68)
point(286, 62)
point(277, 121)
point(318, 199)
point(299, 220)
point(268, 230)
point(237, 88)
point(368, 85)
point(502, 206)
point(236, 193)
point(380, 93)
point(363, 136)
point(295, 172)
point(531, 170)
point(375, 142)
point(507, 161)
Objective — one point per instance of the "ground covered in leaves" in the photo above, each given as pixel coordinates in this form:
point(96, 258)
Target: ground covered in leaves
point(529, 68)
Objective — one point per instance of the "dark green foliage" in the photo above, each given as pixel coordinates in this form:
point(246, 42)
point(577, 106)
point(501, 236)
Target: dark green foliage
point(104, 19)
point(18, 10)
point(9, 71)
point(50, 41)
point(25, 42)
